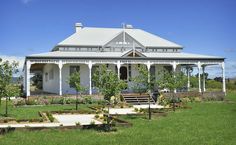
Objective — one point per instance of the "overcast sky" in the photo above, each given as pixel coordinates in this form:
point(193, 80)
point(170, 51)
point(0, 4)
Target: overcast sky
point(201, 26)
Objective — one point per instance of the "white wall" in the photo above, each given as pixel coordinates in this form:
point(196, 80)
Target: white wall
point(51, 85)
point(84, 77)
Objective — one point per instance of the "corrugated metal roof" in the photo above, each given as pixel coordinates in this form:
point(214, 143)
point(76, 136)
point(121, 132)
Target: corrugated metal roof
point(150, 40)
point(66, 54)
point(89, 36)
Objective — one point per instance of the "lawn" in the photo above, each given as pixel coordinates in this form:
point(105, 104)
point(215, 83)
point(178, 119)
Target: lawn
point(32, 112)
point(211, 123)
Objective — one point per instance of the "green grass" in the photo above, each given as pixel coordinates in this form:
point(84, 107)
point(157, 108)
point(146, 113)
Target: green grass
point(32, 112)
point(231, 95)
point(207, 123)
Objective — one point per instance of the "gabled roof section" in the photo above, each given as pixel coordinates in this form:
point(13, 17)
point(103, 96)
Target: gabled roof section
point(133, 53)
point(150, 40)
point(128, 40)
point(91, 36)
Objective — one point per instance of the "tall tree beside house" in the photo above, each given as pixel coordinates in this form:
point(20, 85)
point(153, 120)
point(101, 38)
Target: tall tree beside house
point(143, 83)
point(74, 81)
point(7, 70)
point(172, 81)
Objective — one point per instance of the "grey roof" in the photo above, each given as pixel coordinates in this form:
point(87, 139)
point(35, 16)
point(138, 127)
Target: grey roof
point(89, 36)
point(70, 54)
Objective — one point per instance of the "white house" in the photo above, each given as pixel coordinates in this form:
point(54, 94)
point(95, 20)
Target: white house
point(121, 49)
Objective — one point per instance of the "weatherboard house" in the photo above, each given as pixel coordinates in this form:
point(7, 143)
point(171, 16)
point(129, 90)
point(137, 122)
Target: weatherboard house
point(120, 49)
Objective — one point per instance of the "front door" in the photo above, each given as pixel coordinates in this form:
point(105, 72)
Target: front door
point(123, 73)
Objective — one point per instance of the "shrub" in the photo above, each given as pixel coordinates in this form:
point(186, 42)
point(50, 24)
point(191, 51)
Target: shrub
point(96, 116)
point(162, 100)
point(19, 102)
point(185, 100)
point(43, 101)
point(57, 101)
point(136, 109)
point(213, 84)
point(141, 110)
point(31, 102)
point(231, 85)
point(77, 124)
point(92, 123)
point(211, 96)
point(87, 100)
point(101, 102)
point(70, 101)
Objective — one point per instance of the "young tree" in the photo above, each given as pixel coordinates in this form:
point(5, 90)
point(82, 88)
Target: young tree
point(7, 70)
point(109, 85)
point(143, 83)
point(74, 82)
point(172, 81)
point(108, 82)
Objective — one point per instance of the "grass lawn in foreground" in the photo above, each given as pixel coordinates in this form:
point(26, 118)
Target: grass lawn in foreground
point(31, 112)
point(211, 123)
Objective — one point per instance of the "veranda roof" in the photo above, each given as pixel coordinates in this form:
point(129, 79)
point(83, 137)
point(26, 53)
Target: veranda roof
point(118, 55)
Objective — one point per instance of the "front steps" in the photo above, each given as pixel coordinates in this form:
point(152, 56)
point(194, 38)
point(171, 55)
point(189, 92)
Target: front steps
point(137, 99)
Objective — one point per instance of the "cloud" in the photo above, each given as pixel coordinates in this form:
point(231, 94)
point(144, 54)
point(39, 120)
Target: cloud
point(25, 1)
point(229, 50)
point(18, 59)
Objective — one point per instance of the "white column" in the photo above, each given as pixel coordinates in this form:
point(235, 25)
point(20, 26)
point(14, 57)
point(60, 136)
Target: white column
point(24, 79)
point(118, 64)
point(203, 79)
point(223, 77)
point(90, 65)
point(60, 65)
point(199, 77)
point(188, 76)
point(28, 65)
point(148, 67)
point(174, 69)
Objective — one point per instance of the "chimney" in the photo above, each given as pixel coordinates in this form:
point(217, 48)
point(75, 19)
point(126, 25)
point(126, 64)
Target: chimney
point(128, 26)
point(78, 26)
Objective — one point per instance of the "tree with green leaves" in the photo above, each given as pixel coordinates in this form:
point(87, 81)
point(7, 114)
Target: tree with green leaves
point(172, 81)
point(74, 82)
point(109, 85)
point(7, 70)
point(143, 83)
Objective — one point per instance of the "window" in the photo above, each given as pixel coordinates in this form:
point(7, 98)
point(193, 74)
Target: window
point(83, 49)
point(46, 76)
point(74, 69)
point(130, 72)
point(165, 50)
point(51, 74)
